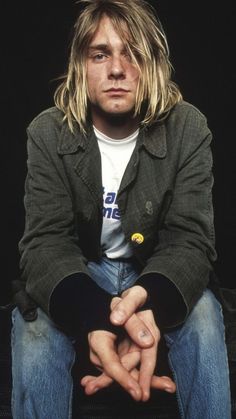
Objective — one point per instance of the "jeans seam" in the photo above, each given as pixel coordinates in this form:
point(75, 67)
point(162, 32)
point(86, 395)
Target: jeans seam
point(226, 359)
point(70, 409)
point(178, 396)
point(120, 277)
point(12, 354)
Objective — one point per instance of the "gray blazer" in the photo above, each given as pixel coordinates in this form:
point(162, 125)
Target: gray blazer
point(165, 195)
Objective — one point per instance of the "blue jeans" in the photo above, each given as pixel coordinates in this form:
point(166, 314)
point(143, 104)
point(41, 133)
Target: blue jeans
point(42, 357)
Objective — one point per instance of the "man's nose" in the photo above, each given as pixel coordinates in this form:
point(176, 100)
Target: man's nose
point(117, 68)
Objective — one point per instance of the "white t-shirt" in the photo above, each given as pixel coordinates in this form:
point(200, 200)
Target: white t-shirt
point(115, 155)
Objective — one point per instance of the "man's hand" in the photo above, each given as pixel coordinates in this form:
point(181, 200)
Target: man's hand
point(104, 354)
point(139, 325)
point(130, 356)
point(139, 348)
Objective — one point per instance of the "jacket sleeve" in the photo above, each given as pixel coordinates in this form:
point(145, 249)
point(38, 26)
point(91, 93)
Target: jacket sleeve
point(49, 248)
point(179, 268)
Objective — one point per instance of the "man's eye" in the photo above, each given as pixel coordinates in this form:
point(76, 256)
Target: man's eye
point(128, 56)
point(99, 57)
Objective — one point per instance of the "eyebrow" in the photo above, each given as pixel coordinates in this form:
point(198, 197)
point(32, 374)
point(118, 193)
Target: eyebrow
point(103, 47)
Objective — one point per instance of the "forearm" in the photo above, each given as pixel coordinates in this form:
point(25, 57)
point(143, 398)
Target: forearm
point(78, 305)
point(164, 299)
point(175, 279)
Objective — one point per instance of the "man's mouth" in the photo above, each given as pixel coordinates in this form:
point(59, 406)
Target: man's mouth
point(116, 91)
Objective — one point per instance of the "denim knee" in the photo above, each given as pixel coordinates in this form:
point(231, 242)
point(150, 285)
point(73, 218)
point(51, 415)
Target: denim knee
point(42, 359)
point(37, 346)
point(198, 360)
point(204, 325)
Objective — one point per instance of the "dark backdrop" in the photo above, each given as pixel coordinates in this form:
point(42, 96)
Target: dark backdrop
point(35, 43)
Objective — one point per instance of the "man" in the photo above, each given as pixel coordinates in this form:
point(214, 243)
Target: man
point(119, 237)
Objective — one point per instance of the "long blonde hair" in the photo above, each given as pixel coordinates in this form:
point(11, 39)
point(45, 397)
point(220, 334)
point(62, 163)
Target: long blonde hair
point(147, 45)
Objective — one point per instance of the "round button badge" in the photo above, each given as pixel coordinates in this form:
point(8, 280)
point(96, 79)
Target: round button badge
point(137, 238)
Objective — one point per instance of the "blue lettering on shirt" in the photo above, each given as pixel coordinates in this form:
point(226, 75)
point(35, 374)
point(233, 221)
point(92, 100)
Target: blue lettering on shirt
point(111, 211)
point(110, 198)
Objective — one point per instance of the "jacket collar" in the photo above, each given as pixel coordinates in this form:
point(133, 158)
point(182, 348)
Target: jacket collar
point(152, 138)
point(70, 142)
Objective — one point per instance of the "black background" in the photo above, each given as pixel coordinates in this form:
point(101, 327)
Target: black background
point(35, 41)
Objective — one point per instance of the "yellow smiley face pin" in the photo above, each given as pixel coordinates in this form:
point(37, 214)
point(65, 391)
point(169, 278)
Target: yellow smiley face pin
point(137, 238)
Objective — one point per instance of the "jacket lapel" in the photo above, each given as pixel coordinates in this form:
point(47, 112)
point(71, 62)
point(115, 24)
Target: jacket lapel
point(153, 140)
point(87, 160)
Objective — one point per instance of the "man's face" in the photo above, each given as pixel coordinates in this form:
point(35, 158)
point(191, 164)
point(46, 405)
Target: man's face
point(112, 77)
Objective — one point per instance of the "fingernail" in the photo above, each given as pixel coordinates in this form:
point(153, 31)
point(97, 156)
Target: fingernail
point(146, 395)
point(118, 316)
point(134, 394)
point(145, 335)
point(169, 389)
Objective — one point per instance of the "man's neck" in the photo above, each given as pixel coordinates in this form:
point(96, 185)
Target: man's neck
point(117, 127)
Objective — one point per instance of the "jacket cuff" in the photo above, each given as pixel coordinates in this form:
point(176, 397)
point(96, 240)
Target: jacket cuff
point(78, 305)
point(164, 299)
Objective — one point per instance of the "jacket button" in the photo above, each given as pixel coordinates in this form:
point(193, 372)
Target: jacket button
point(137, 238)
point(149, 207)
